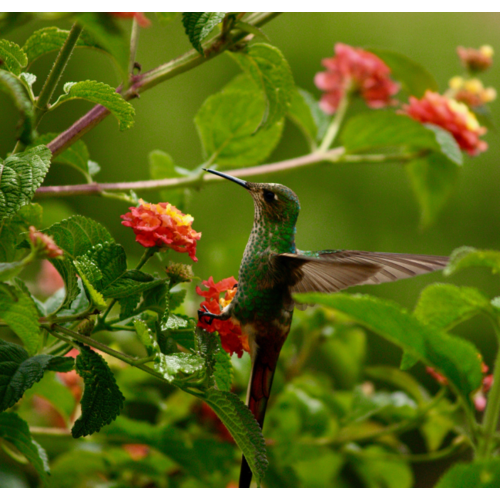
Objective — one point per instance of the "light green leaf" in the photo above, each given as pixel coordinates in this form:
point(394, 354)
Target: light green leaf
point(100, 93)
point(479, 474)
point(447, 144)
point(9, 270)
point(19, 312)
point(455, 358)
point(166, 17)
point(242, 425)
point(102, 400)
point(90, 273)
point(16, 431)
point(465, 257)
point(12, 56)
point(28, 79)
point(227, 123)
point(444, 306)
point(198, 26)
point(179, 366)
point(271, 73)
point(433, 179)
point(146, 337)
point(414, 77)
point(16, 91)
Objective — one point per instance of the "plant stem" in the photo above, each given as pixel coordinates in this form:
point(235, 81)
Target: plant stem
point(134, 41)
point(492, 413)
point(55, 73)
point(334, 127)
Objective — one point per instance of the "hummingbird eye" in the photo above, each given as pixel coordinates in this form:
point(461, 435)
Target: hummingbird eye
point(269, 195)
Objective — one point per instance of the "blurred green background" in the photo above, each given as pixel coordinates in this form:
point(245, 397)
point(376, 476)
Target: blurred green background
point(365, 207)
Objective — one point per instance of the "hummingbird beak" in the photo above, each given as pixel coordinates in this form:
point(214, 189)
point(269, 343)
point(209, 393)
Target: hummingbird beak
point(228, 177)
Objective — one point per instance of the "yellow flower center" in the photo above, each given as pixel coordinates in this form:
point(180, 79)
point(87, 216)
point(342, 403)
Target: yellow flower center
point(470, 118)
point(179, 218)
point(487, 50)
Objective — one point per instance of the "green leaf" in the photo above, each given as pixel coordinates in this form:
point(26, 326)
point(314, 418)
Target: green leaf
point(227, 123)
point(15, 89)
point(166, 17)
point(305, 112)
point(12, 57)
point(444, 306)
point(242, 425)
point(9, 270)
point(19, 312)
point(271, 73)
point(198, 26)
point(20, 176)
point(107, 33)
point(385, 129)
point(179, 367)
point(479, 474)
point(146, 337)
point(433, 178)
point(223, 372)
point(455, 358)
point(100, 93)
point(90, 273)
point(465, 257)
point(414, 77)
point(102, 400)
point(18, 372)
point(16, 431)
point(50, 39)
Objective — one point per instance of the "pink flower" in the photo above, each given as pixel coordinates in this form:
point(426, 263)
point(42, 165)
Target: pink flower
point(355, 70)
point(475, 60)
point(44, 244)
point(141, 19)
point(451, 115)
point(49, 280)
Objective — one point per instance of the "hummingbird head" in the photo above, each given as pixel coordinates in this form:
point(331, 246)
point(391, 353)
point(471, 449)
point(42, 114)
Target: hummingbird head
point(273, 202)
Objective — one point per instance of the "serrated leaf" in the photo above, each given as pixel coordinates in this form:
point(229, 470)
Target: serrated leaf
point(414, 77)
point(12, 57)
point(166, 17)
point(305, 112)
point(455, 358)
point(100, 93)
point(179, 367)
point(223, 372)
point(146, 337)
point(226, 123)
point(271, 73)
point(198, 26)
point(16, 431)
point(444, 306)
point(479, 474)
point(15, 90)
point(50, 39)
point(465, 257)
point(102, 400)
point(433, 178)
point(385, 129)
point(242, 425)
point(19, 312)
point(176, 299)
point(90, 273)
point(18, 372)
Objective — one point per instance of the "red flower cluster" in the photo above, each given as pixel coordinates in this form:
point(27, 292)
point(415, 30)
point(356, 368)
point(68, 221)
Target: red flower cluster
point(141, 19)
point(162, 226)
point(232, 338)
point(471, 92)
point(44, 245)
point(451, 115)
point(354, 70)
point(476, 60)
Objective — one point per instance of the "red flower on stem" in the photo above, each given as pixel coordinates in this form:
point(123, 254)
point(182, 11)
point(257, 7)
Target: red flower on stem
point(451, 115)
point(44, 245)
point(141, 19)
point(476, 60)
point(355, 70)
point(232, 338)
point(163, 226)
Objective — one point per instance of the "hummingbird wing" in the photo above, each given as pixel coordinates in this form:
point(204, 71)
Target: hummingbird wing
point(330, 270)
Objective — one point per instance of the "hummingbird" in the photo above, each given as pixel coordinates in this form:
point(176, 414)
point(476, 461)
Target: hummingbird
point(273, 269)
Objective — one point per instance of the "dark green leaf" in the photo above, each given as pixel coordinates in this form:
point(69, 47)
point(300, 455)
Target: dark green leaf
point(16, 431)
point(433, 179)
point(102, 400)
point(15, 89)
point(479, 474)
point(465, 257)
point(444, 306)
point(179, 367)
point(271, 73)
point(198, 26)
point(100, 93)
point(223, 372)
point(227, 123)
point(19, 312)
point(242, 425)
point(414, 77)
point(12, 57)
point(166, 17)
point(455, 358)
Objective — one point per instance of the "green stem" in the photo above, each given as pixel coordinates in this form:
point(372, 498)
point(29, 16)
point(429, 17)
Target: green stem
point(492, 413)
point(134, 40)
point(56, 72)
point(334, 127)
